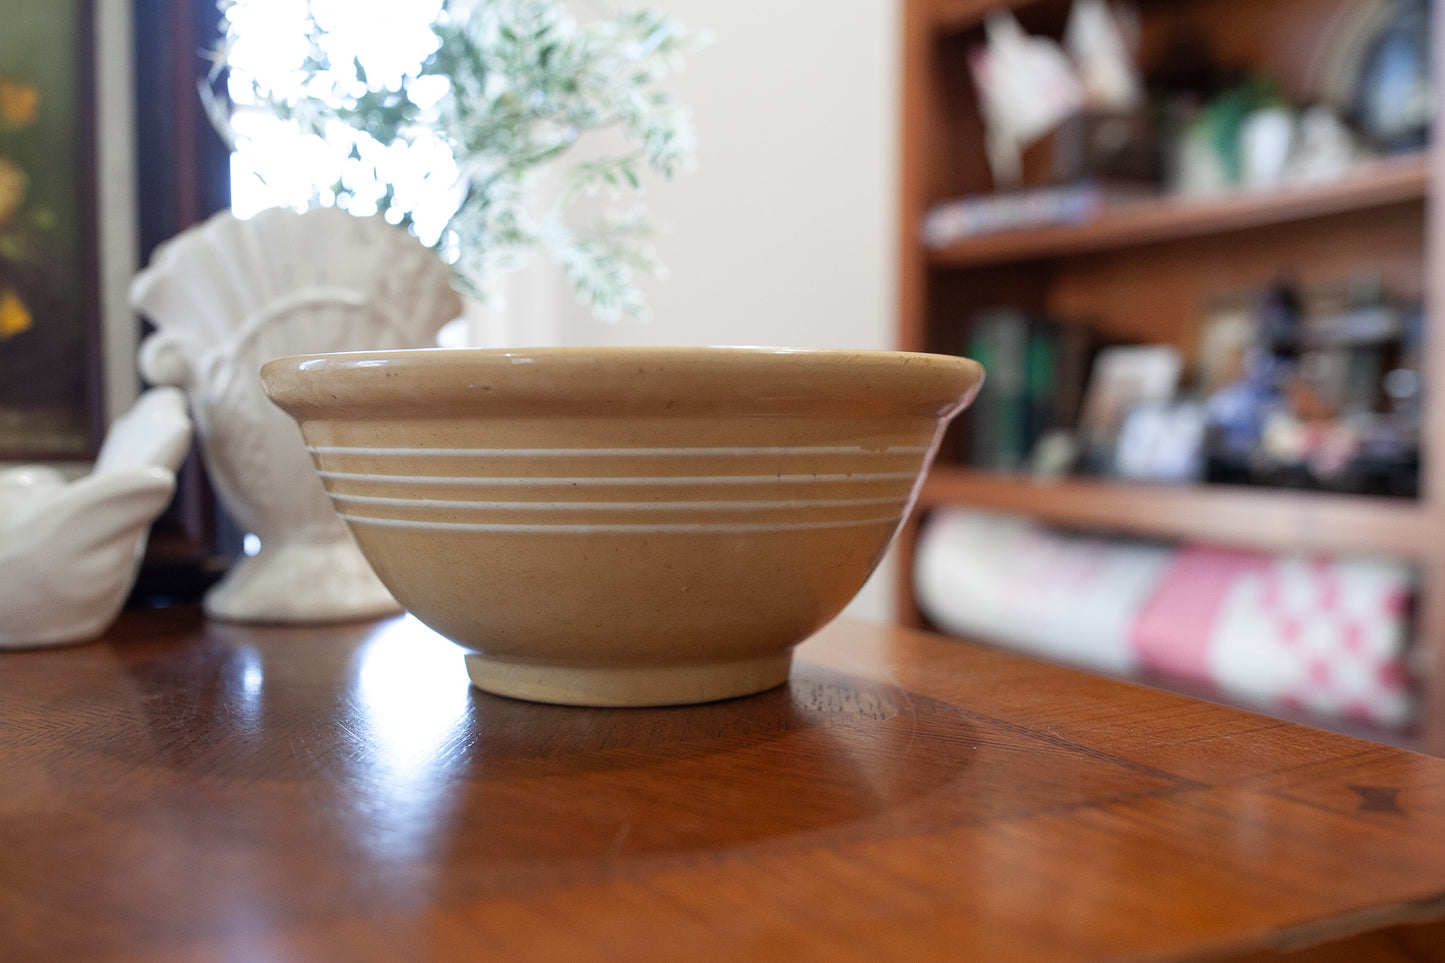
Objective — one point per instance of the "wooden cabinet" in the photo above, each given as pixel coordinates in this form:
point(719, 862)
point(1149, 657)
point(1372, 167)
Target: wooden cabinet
point(1141, 274)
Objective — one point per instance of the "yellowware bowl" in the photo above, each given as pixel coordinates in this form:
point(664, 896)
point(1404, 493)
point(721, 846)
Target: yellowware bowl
point(623, 526)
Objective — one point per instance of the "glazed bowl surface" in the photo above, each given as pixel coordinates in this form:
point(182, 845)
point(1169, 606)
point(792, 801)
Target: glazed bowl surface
point(623, 526)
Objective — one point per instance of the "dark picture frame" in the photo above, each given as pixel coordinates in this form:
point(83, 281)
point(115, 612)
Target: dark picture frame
point(51, 366)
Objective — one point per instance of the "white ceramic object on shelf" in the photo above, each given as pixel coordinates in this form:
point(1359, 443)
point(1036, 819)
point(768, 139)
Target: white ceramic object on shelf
point(70, 550)
point(227, 296)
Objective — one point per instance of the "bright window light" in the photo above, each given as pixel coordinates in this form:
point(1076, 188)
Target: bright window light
point(275, 165)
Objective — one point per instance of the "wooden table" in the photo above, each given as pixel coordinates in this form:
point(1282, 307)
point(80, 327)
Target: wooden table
point(187, 791)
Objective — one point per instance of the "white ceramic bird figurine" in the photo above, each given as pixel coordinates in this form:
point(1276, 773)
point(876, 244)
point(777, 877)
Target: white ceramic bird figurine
point(70, 550)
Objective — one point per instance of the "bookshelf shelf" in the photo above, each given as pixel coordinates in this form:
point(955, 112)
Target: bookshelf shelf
point(1266, 519)
point(1373, 184)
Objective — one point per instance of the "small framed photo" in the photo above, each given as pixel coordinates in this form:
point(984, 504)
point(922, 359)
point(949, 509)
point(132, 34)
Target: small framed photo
point(1123, 379)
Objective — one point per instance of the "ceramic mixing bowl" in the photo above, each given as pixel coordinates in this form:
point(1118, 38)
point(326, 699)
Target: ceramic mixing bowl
point(623, 526)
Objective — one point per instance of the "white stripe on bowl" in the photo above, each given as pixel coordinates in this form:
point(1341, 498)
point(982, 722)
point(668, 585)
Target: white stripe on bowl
point(684, 528)
point(694, 506)
point(614, 452)
point(483, 481)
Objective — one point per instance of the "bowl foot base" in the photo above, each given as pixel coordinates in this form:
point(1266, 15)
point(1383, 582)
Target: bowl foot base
point(570, 684)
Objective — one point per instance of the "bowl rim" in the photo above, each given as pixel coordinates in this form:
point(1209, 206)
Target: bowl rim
point(619, 380)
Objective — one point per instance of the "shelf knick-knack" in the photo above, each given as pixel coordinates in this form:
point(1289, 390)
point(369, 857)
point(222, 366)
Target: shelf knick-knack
point(70, 550)
point(227, 296)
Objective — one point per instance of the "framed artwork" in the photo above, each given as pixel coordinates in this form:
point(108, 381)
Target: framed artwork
point(51, 395)
point(104, 154)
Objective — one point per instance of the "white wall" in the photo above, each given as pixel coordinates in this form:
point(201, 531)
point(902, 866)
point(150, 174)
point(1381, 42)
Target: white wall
point(785, 233)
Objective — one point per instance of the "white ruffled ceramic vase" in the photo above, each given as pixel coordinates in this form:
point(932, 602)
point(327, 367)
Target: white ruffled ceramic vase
point(230, 294)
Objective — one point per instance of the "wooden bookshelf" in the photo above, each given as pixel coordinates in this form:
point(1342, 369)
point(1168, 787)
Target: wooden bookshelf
point(1143, 272)
point(1373, 184)
point(1268, 519)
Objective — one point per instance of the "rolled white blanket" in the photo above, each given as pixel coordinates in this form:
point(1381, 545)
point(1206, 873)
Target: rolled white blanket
point(1327, 635)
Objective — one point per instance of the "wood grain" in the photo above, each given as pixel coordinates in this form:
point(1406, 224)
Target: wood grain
point(184, 790)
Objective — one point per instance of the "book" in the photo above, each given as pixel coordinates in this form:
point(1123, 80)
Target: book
point(980, 214)
point(1036, 370)
point(998, 341)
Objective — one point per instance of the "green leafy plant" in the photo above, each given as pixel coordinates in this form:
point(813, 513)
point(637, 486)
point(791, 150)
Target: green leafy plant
point(511, 87)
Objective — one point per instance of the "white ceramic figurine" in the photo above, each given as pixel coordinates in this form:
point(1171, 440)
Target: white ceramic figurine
point(227, 296)
point(70, 550)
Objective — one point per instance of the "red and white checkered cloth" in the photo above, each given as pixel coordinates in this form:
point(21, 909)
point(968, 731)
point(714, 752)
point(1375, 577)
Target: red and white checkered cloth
point(1327, 635)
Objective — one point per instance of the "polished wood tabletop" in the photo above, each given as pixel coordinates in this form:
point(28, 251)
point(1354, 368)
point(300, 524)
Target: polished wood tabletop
point(185, 790)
